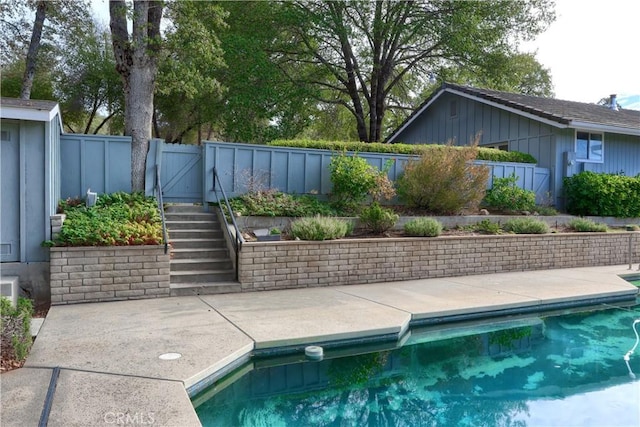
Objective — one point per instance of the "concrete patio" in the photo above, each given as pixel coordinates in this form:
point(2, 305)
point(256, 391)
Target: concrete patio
point(106, 355)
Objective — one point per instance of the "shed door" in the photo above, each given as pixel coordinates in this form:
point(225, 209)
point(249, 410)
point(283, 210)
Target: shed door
point(9, 194)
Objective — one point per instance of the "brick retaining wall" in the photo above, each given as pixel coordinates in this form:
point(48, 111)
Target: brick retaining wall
point(298, 264)
point(91, 274)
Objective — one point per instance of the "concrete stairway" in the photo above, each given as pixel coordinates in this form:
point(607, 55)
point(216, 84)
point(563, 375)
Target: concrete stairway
point(200, 260)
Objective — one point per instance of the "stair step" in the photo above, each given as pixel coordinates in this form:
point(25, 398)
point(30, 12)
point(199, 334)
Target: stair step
point(190, 217)
point(187, 289)
point(184, 207)
point(201, 264)
point(195, 234)
point(192, 225)
point(197, 243)
point(194, 253)
point(202, 276)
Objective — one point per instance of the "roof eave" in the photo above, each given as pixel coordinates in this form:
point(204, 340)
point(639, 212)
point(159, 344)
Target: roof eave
point(31, 114)
point(605, 128)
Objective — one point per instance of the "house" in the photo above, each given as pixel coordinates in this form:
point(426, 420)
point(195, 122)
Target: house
point(30, 174)
point(564, 136)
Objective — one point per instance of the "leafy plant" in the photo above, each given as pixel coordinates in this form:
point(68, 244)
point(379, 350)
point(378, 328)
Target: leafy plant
point(378, 219)
point(320, 228)
point(526, 225)
point(586, 225)
point(546, 210)
point(354, 180)
point(599, 194)
point(274, 231)
point(423, 227)
point(118, 219)
point(506, 195)
point(487, 227)
point(274, 203)
point(16, 326)
point(444, 181)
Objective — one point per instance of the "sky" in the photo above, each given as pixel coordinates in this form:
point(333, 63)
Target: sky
point(592, 49)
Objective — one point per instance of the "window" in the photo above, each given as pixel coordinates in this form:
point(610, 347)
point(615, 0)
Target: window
point(589, 147)
point(503, 146)
point(453, 109)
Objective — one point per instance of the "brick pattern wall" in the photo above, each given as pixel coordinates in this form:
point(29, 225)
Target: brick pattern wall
point(300, 264)
point(91, 274)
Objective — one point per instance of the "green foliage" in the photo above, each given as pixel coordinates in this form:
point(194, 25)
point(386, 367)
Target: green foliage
point(354, 179)
point(506, 195)
point(275, 203)
point(378, 219)
point(487, 227)
point(320, 228)
point(526, 225)
point(16, 326)
point(546, 210)
point(423, 227)
point(443, 181)
point(598, 194)
point(586, 225)
point(488, 154)
point(117, 219)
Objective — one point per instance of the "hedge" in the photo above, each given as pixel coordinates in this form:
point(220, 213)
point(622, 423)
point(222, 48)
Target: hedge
point(489, 154)
point(600, 194)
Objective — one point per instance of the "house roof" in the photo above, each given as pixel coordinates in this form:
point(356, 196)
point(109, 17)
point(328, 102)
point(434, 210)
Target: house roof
point(556, 112)
point(29, 109)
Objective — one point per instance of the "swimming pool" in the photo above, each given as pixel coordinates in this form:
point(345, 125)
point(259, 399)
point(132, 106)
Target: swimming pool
point(560, 369)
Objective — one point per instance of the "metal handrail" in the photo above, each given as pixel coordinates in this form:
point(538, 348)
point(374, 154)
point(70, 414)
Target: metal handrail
point(237, 239)
point(158, 188)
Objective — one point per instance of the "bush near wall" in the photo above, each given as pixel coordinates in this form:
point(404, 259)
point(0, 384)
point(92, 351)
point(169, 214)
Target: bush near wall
point(599, 194)
point(488, 154)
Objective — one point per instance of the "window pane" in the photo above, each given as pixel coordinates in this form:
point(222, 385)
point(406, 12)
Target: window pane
point(582, 145)
point(595, 147)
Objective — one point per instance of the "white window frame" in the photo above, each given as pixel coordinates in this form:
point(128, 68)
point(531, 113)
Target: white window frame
point(575, 146)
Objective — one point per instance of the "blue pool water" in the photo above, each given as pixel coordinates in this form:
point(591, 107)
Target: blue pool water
point(557, 370)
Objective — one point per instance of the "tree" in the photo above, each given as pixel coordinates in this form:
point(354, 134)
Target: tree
point(136, 62)
point(371, 48)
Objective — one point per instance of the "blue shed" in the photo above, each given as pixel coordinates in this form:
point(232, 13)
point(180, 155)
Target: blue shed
point(30, 175)
point(564, 136)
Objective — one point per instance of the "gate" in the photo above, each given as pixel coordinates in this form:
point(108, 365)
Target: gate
point(180, 171)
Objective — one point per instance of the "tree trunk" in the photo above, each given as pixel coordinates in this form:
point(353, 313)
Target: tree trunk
point(136, 62)
point(32, 54)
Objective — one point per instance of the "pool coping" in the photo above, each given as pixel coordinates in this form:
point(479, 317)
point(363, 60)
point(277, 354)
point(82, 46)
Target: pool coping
point(71, 337)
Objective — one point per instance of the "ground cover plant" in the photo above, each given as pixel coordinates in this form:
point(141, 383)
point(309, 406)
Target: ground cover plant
point(276, 203)
point(586, 225)
point(320, 228)
point(377, 219)
point(15, 324)
point(526, 225)
point(118, 219)
point(423, 227)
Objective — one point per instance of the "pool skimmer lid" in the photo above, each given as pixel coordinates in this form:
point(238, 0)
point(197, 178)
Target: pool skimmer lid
point(314, 352)
point(170, 356)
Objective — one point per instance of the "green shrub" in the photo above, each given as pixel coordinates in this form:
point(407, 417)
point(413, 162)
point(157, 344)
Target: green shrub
point(423, 227)
point(586, 225)
point(487, 227)
point(378, 219)
point(489, 154)
point(526, 225)
point(443, 181)
point(507, 196)
point(16, 326)
point(320, 228)
point(117, 219)
point(354, 180)
point(599, 194)
point(275, 203)
point(545, 210)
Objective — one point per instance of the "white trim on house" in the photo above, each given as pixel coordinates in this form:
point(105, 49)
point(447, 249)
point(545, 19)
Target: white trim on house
point(605, 128)
point(575, 148)
point(31, 113)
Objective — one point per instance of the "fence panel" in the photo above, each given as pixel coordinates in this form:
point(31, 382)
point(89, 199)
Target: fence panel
point(242, 167)
point(97, 162)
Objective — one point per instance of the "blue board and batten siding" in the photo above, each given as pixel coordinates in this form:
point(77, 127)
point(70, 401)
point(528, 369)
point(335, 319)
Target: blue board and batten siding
point(96, 162)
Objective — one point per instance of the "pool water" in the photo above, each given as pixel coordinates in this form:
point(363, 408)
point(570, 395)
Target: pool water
point(559, 370)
